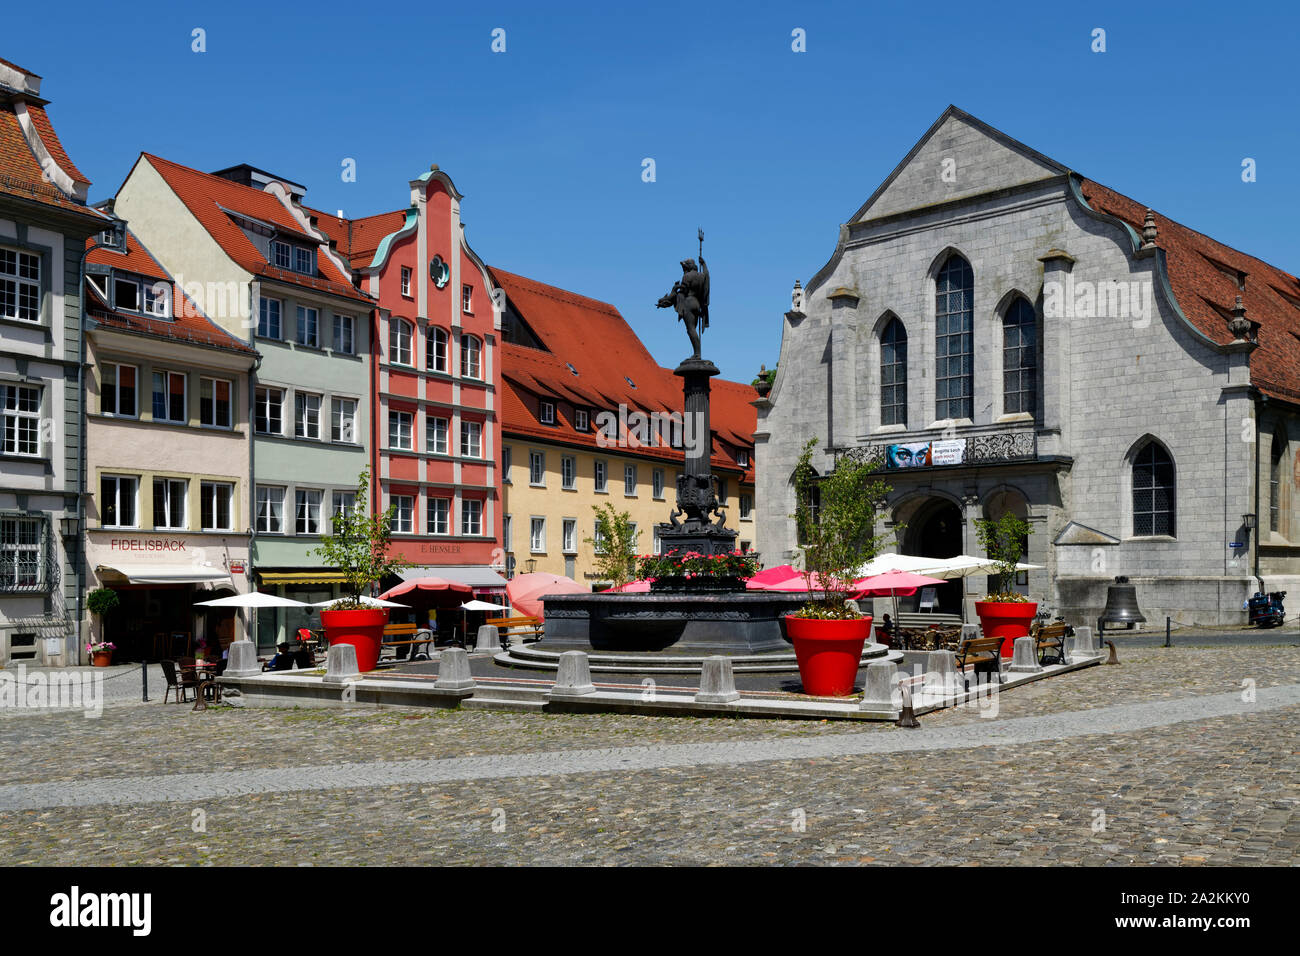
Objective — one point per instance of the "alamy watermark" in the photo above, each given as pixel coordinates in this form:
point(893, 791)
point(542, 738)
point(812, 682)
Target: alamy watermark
point(50, 690)
point(637, 429)
point(1131, 300)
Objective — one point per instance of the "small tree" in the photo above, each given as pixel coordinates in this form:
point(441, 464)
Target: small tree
point(1004, 542)
point(359, 547)
point(99, 602)
point(614, 544)
point(836, 519)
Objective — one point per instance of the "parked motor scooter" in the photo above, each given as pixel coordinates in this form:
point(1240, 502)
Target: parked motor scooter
point(1266, 610)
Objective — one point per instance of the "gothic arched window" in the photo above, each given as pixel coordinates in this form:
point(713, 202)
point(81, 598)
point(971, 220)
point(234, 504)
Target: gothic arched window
point(893, 374)
point(1153, 492)
point(954, 340)
point(1019, 359)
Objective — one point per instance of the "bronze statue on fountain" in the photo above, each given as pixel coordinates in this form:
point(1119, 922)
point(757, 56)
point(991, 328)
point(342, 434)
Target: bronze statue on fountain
point(698, 523)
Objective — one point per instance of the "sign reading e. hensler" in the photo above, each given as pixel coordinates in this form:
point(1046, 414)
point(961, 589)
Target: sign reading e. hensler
point(146, 544)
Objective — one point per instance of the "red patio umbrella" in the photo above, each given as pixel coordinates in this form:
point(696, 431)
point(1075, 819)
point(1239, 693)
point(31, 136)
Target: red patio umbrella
point(426, 584)
point(527, 590)
point(782, 572)
point(632, 587)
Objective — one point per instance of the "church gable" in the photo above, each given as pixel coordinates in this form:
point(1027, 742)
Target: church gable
point(959, 157)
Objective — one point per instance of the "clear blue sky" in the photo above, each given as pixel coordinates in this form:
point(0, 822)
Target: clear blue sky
point(766, 149)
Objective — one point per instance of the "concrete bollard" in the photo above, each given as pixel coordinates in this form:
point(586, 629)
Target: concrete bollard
point(1082, 644)
point(941, 674)
point(574, 676)
point(242, 661)
point(341, 665)
point(880, 690)
point(453, 670)
point(717, 683)
point(487, 640)
point(1025, 659)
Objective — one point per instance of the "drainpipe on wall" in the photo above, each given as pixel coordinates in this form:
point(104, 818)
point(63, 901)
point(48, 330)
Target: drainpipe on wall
point(1260, 402)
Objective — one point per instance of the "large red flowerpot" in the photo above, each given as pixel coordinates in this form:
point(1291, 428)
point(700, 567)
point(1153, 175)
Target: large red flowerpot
point(363, 629)
point(1007, 620)
point(828, 652)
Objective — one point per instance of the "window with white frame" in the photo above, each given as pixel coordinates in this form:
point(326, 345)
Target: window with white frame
point(117, 389)
point(20, 285)
point(268, 318)
point(435, 435)
point(505, 464)
point(629, 481)
point(537, 536)
point(467, 299)
point(746, 507)
point(570, 535)
point(406, 280)
point(344, 501)
point(126, 293)
point(403, 514)
point(657, 546)
point(631, 537)
point(157, 298)
point(600, 472)
point(307, 511)
point(439, 516)
point(304, 261)
point(399, 342)
point(169, 403)
point(537, 469)
point(169, 503)
point(580, 419)
point(547, 414)
point(306, 415)
point(471, 439)
point(657, 483)
point(343, 420)
point(215, 402)
point(471, 516)
point(508, 532)
point(435, 349)
point(399, 430)
point(344, 334)
point(117, 498)
point(597, 538)
point(268, 415)
point(21, 544)
point(215, 505)
point(470, 350)
point(270, 510)
point(742, 458)
point(281, 254)
point(20, 406)
point(308, 327)
point(568, 473)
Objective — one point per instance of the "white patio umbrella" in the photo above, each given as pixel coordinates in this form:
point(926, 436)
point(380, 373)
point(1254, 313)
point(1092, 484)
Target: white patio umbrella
point(251, 599)
point(365, 599)
point(477, 605)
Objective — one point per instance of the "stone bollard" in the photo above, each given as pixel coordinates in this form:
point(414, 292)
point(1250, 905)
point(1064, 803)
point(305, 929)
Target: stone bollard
point(941, 674)
point(717, 683)
point(487, 640)
point(970, 630)
point(880, 690)
point(574, 677)
point(341, 665)
point(1025, 659)
point(1082, 644)
point(243, 660)
point(453, 670)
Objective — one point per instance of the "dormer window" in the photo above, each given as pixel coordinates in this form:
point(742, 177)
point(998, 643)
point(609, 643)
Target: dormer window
point(157, 299)
point(126, 293)
point(580, 419)
point(293, 258)
point(281, 254)
point(548, 413)
point(302, 262)
point(108, 238)
point(742, 459)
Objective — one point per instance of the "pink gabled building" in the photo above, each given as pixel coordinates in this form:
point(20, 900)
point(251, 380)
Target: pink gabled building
point(435, 381)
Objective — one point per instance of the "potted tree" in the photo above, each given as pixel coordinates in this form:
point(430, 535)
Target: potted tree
point(835, 518)
point(1005, 613)
point(99, 602)
point(359, 549)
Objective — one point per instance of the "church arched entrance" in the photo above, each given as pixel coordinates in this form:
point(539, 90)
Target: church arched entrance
point(936, 531)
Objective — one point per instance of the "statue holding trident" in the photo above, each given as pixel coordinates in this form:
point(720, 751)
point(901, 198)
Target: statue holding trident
point(690, 297)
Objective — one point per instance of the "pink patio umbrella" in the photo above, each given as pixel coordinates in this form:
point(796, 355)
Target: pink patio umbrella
point(426, 584)
point(527, 590)
point(632, 587)
point(782, 572)
point(892, 583)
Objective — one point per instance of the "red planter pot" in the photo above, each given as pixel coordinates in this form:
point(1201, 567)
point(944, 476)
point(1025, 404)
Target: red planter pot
point(102, 659)
point(363, 629)
point(828, 652)
point(1007, 620)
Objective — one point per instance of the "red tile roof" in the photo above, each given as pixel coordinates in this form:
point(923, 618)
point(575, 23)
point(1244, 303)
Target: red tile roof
point(188, 324)
point(41, 120)
point(357, 239)
point(1203, 274)
point(20, 172)
point(597, 341)
point(211, 199)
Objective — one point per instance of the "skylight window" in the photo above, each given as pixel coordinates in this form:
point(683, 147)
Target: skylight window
point(629, 381)
point(569, 365)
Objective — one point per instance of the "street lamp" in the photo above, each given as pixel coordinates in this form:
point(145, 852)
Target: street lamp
point(70, 527)
point(1248, 521)
point(530, 564)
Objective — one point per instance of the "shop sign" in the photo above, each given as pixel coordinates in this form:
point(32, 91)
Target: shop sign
point(146, 544)
point(440, 549)
point(236, 567)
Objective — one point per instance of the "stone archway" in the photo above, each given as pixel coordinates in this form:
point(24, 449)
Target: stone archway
point(936, 530)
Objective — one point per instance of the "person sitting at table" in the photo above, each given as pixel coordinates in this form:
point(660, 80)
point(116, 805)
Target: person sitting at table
point(282, 661)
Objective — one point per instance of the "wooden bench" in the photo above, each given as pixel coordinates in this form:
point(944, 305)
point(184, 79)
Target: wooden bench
point(983, 654)
point(406, 635)
point(1049, 642)
point(522, 627)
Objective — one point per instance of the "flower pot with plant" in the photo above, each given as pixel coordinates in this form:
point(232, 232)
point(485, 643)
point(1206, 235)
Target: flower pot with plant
point(835, 519)
point(359, 548)
point(1005, 613)
point(101, 652)
point(99, 602)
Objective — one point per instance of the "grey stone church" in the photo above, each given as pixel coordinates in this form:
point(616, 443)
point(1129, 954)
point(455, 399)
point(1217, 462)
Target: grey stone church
point(1008, 334)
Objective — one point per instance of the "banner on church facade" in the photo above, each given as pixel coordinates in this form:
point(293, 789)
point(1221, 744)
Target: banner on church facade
point(926, 453)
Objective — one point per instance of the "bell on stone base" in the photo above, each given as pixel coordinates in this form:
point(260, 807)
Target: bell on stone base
point(1121, 605)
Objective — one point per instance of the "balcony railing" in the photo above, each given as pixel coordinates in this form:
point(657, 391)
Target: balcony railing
point(968, 447)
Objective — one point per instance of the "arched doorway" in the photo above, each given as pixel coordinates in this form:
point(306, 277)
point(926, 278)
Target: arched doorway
point(936, 531)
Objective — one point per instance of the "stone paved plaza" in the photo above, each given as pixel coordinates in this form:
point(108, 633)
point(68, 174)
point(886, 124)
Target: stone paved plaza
point(1158, 761)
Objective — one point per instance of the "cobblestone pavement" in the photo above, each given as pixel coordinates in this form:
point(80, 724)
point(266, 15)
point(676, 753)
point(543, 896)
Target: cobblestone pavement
point(1217, 786)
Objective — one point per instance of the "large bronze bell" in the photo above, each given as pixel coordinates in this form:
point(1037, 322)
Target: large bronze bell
point(1121, 605)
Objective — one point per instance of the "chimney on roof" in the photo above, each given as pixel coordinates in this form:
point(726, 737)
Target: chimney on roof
point(1149, 230)
point(340, 215)
point(1239, 325)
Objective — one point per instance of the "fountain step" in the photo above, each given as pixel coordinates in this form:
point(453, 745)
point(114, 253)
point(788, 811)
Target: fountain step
point(535, 658)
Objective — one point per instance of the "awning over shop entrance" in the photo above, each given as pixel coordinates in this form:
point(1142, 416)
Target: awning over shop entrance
point(164, 574)
point(301, 577)
point(477, 576)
